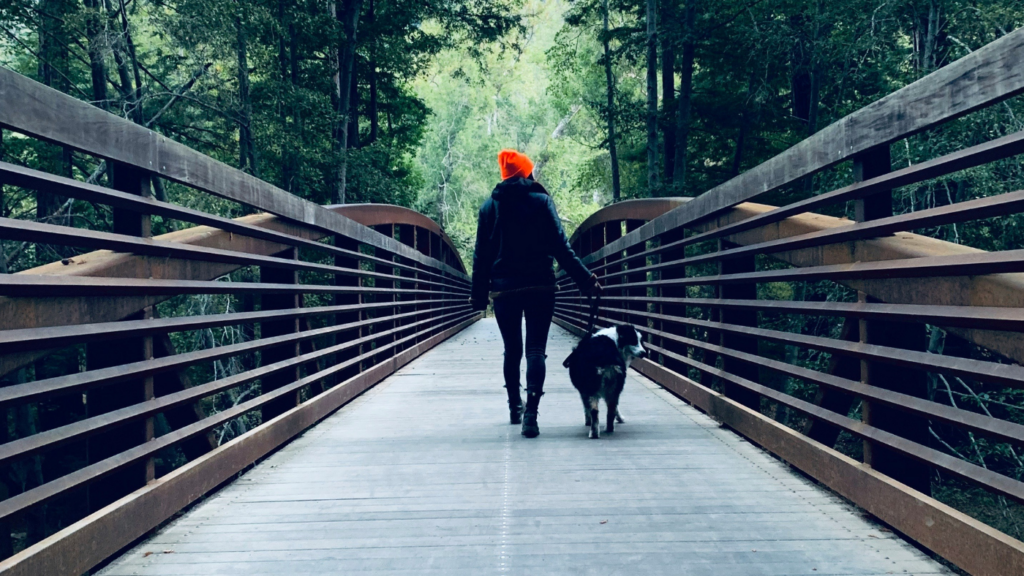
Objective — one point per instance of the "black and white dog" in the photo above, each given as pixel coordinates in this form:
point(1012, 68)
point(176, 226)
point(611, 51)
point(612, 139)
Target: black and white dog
point(597, 368)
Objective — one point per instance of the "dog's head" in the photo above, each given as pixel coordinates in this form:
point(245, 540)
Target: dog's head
point(628, 340)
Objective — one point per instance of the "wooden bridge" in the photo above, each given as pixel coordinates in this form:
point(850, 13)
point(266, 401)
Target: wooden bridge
point(350, 416)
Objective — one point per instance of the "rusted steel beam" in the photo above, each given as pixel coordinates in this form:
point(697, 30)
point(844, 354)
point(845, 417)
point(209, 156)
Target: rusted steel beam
point(34, 179)
point(50, 286)
point(37, 232)
point(983, 477)
point(637, 209)
point(102, 377)
point(29, 108)
point(50, 439)
point(973, 82)
point(85, 544)
point(1006, 374)
point(981, 208)
point(987, 317)
point(994, 481)
point(1001, 430)
point(60, 336)
point(970, 544)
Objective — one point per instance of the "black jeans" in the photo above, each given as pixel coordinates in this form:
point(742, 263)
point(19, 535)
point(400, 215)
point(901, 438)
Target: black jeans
point(509, 312)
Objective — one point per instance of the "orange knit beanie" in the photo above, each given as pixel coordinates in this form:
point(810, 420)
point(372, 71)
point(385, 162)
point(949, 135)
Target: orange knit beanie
point(514, 164)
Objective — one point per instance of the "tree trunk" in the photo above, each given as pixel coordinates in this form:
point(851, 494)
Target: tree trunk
point(283, 61)
point(245, 143)
point(94, 32)
point(745, 123)
point(668, 87)
point(610, 83)
point(371, 70)
point(652, 97)
point(685, 96)
point(345, 61)
point(353, 108)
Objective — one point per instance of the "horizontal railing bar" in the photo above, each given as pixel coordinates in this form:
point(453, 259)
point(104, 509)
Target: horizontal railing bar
point(994, 481)
point(29, 107)
point(979, 79)
point(1000, 429)
point(102, 468)
point(998, 483)
point(1007, 374)
point(60, 336)
point(28, 178)
point(38, 232)
point(45, 285)
point(55, 437)
point(977, 264)
point(1001, 148)
point(980, 208)
point(143, 368)
point(980, 317)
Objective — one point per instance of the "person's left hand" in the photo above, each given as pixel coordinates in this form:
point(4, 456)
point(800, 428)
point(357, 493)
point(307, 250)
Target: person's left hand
point(478, 305)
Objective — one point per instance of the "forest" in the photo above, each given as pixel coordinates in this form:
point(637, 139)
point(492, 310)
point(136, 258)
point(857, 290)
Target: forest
point(407, 102)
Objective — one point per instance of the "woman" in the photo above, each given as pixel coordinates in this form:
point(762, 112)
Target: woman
point(517, 237)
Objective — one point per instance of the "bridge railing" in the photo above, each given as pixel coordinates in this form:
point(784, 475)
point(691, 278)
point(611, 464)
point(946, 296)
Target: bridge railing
point(714, 282)
point(144, 373)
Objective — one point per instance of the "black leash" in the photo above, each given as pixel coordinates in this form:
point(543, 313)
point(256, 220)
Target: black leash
point(595, 302)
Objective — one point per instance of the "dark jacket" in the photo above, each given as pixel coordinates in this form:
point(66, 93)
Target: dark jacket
point(517, 238)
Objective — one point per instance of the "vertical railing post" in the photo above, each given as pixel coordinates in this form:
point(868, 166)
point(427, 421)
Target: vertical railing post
point(425, 246)
point(606, 234)
point(389, 231)
point(407, 236)
point(272, 275)
point(677, 310)
point(741, 291)
point(344, 261)
point(632, 225)
point(132, 180)
point(872, 163)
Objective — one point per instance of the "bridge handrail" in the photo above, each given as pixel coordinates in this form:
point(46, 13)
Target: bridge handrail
point(347, 295)
point(695, 275)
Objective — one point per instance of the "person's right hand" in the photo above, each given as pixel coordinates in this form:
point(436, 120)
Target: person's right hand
point(596, 289)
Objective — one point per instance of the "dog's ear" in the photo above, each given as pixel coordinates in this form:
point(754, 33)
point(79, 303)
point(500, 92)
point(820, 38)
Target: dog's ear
point(627, 335)
point(568, 359)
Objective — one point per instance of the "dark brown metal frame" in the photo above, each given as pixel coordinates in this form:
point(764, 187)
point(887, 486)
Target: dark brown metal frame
point(395, 296)
point(647, 271)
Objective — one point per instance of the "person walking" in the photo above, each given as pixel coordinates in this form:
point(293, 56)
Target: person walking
point(518, 236)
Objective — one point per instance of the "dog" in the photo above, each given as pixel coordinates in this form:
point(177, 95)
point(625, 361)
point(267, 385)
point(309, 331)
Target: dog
point(597, 368)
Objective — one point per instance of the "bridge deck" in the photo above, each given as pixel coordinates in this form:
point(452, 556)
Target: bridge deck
point(423, 475)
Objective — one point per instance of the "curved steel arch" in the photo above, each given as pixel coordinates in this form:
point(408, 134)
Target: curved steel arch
point(377, 214)
point(639, 209)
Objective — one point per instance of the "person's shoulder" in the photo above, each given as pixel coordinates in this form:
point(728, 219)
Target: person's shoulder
point(487, 206)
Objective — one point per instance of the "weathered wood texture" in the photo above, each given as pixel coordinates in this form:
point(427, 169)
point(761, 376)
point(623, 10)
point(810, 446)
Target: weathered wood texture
point(424, 475)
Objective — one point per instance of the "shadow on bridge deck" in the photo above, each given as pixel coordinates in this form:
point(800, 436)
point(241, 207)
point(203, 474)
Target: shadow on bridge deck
point(423, 474)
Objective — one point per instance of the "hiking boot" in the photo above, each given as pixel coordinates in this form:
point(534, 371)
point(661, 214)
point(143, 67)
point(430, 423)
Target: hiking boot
point(515, 406)
point(530, 428)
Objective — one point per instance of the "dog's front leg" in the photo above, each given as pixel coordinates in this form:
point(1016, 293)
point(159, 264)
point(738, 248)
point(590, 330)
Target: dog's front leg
point(595, 431)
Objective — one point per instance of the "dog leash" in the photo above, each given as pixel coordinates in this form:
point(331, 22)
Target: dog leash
point(595, 302)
